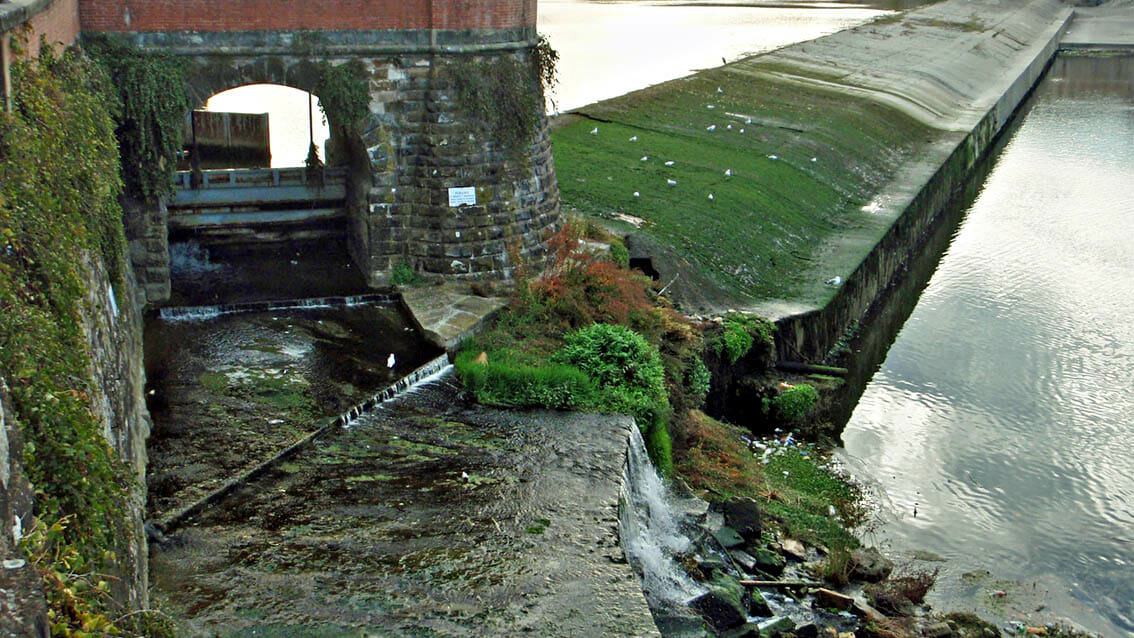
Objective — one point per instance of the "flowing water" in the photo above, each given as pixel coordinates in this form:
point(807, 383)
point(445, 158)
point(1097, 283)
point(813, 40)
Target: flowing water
point(650, 530)
point(999, 427)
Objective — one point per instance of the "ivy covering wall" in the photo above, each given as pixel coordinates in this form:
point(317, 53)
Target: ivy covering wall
point(59, 188)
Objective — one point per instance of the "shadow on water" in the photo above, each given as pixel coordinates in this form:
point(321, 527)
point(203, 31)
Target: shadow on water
point(207, 275)
point(997, 429)
point(884, 320)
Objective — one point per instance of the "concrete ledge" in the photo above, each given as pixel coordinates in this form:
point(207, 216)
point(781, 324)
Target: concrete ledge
point(13, 13)
point(329, 43)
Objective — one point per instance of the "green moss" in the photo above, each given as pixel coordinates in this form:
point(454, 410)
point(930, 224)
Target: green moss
point(758, 236)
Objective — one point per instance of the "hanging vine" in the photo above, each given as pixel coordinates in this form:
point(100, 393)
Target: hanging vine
point(343, 94)
point(150, 120)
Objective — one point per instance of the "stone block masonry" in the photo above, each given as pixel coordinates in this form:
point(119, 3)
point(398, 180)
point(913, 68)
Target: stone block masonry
point(418, 142)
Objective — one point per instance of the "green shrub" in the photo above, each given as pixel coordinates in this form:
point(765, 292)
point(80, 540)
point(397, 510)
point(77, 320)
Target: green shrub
point(619, 254)
point(741, 332)
point(402, 274)
point(794, 403)
point(503, 381)
point(615, 357)
point(697, 380)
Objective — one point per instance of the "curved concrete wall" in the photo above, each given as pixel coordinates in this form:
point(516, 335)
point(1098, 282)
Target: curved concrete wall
point(970, 91)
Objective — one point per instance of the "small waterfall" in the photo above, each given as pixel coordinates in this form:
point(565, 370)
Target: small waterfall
point(198, 313)
point(426, 373)
point(650, 530)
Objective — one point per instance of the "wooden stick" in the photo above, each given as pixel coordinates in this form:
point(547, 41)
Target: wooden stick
point(780, 583)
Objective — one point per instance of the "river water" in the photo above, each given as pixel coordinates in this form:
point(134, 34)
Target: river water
point(607, 49)
point(999, 427)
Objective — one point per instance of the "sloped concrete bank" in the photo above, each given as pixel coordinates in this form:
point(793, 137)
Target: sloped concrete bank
point(974, 92)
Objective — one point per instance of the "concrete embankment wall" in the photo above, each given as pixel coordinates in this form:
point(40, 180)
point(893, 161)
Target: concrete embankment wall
point(974, 92)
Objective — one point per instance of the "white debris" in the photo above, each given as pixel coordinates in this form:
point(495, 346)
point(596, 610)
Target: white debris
point(729, 127)
point(637, 194)
point(711, 127)
point(711, 106)
point(669, 163)
point(710, 196)
point(634, 139)
point(773, 157)
point(747, 120)
point(742, 130)
point(814, 159)
point(719, 90)
point(645, 158)
point(671, 182)
point(390, 360)
point(728, 172)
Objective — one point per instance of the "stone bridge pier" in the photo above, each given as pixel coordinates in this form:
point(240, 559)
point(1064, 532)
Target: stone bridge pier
point(431, 183)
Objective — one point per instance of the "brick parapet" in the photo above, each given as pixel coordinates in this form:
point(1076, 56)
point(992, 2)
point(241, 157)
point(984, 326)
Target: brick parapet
point(294, 15)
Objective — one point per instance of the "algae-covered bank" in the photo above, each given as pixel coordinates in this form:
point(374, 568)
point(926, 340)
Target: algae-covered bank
point(795, 184)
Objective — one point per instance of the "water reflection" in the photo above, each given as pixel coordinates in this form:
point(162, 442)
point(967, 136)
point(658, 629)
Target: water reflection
point(610, 48)
point(1002, 410)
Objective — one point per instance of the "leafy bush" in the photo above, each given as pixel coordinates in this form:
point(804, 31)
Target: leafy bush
point(402, 274)
point(615, 357)
point(619, 254)
point(794, 403)
point(697, 380)
point(501, 380)
point(740, 334)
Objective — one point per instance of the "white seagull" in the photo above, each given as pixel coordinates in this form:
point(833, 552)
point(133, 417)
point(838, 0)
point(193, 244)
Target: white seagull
point(671, 182)
point(634, 139)
point(637, 194)
point(594, 131)
point(645, 158)
point(669, 163)
point(710, 196)
point(834, 281)
point(773, 157)
point(390, 360)
point(728, 172)
point(711, 127)
point(719, 90)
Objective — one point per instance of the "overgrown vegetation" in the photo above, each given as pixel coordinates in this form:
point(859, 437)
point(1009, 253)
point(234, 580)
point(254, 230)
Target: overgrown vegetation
point(740, 332)
point(711, 456)
point(343, 94)
point(59, 186)
point(793, 403)
point(149, 109)
point(402, 274)
point(505, 95)
point(601, 320)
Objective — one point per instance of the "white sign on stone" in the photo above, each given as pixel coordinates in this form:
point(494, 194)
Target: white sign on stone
point(459, 196)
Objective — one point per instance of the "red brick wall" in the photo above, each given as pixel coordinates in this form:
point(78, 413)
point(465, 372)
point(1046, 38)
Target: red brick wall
point(271, 15)
point(58, 24)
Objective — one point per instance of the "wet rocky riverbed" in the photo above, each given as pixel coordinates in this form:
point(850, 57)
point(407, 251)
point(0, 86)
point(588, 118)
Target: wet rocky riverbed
point(426, 517)
point(227, 393)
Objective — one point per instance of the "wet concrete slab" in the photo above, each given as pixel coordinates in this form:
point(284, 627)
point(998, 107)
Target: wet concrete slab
point(450, 313)
point(428, 517)
point(1108, 26)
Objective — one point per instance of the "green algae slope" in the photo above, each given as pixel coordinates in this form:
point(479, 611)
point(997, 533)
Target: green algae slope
point(806, 156)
